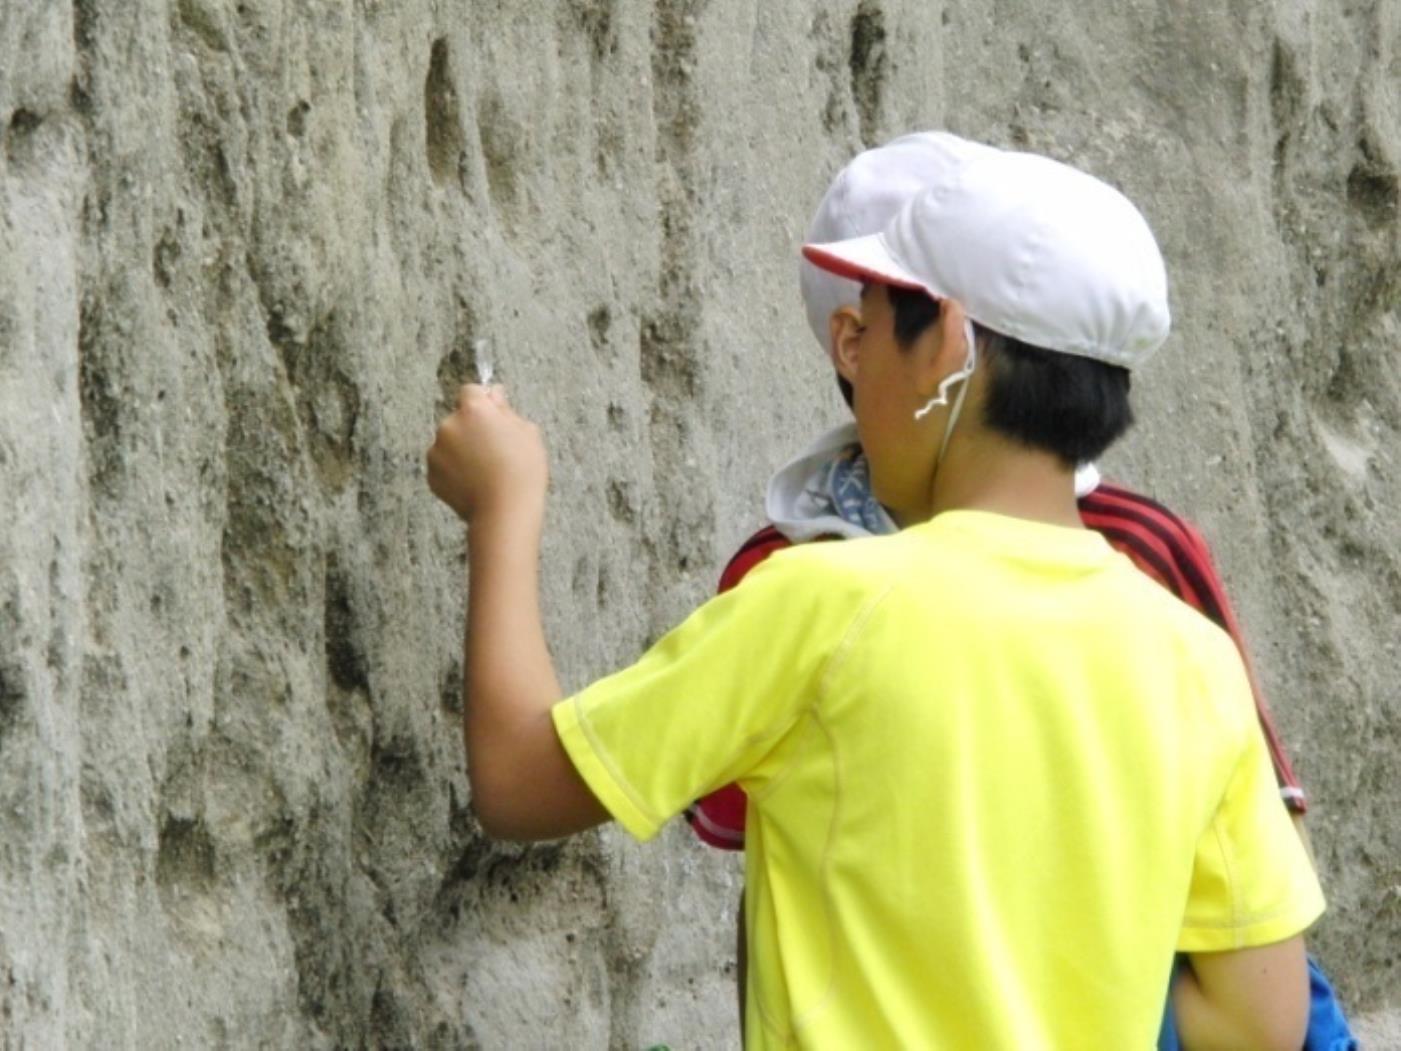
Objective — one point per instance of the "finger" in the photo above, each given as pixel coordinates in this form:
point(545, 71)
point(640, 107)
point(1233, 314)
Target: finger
point(475, 394)
point(497, 393)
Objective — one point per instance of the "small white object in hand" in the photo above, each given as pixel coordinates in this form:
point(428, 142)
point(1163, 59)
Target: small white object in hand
point(483, 362)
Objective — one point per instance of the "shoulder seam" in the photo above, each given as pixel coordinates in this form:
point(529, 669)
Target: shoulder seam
point(858, 621)
point(849, 637)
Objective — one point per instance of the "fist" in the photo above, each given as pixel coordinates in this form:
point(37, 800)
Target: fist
point(486, 458)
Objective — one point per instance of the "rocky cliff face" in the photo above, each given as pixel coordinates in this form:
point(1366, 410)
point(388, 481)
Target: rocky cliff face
point(249, 247)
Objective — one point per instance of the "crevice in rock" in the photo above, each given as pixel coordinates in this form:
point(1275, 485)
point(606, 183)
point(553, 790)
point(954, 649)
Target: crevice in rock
point(442, 114)
point(668, 359)
point(596, 19)
point(869, 67)
point(12, 696)
point(262, 561)
point(100, 402)
point(600, 323)
point(167, 252)
point(186, 858)
point(1287, 91)
point(297, 117)
point(328, 401)
point(198, 17)
point(307, 871)
point(622, 504)
point(450, 688)
point(1373, 189)
point(390, 1020)
point(19, 134)
point(346, 662)
point(831, 58)
point(459, 365)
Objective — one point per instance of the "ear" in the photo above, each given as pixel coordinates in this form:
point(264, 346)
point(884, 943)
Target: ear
point(844, 332)
point(941, 349)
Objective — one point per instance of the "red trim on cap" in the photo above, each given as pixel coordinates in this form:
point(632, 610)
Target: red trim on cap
point(835, 264)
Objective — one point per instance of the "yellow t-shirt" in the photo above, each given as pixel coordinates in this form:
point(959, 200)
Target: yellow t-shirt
point(996, 776)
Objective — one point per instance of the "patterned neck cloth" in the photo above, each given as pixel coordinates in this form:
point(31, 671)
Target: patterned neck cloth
point(846, 484)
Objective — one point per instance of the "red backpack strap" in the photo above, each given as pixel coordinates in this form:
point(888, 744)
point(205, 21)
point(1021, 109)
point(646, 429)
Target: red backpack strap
point(1169, 549)
point(754, 550)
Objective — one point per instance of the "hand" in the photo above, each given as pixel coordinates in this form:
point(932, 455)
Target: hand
point(486, 458)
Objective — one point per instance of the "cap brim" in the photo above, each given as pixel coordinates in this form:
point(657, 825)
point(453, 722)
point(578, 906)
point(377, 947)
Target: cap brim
point(862, 259)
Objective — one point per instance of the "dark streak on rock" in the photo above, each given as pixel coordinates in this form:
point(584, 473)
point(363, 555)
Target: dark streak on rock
point(869, 66)
point(346, 663)
point(442, 114)
point(12, 695)
point(186, 857)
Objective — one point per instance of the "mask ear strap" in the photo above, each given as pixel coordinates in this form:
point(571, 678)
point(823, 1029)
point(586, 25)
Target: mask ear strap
point(942, 396)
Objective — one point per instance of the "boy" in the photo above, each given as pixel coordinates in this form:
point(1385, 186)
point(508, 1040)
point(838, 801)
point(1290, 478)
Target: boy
point(824, 493)
point(985, 823)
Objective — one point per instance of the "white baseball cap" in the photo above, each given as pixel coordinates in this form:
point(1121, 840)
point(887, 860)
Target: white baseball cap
point(862, 200)
point(1032, 248)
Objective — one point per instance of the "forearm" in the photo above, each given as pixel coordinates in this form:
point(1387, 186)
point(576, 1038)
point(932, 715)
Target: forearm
point(509, 669)
point(510, 678)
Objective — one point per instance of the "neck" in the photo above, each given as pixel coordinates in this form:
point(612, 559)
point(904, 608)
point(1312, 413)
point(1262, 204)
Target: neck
point(984, 472)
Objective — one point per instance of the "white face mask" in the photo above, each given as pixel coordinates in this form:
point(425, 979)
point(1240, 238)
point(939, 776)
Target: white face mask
point(942, 397)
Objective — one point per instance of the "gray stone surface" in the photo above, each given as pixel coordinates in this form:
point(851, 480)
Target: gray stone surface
point(1379, 1031)
point(247, 249)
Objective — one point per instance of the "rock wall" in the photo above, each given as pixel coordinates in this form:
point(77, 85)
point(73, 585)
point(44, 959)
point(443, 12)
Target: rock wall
point(249, 247)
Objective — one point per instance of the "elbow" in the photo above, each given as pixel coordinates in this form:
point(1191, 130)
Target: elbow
point(491, 803)
point(1287, 1034)
point(487, 818)
point(1286, 1027)
point(487, 803)
point(1256, 1033)
point(1279, 1039)
point(498, 826)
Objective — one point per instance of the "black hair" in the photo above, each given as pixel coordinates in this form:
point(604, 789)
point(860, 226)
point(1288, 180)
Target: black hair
point(1064, 404)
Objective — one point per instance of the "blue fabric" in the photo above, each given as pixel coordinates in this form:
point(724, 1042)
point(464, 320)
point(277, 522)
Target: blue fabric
point(848, 485)
point(1328, 1028)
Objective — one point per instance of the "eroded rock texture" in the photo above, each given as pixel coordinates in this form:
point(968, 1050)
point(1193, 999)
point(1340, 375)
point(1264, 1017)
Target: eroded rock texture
point(249, 247)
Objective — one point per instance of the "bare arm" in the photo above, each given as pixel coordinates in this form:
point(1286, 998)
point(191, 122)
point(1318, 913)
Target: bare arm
point(524, 786)
point(1249, 998)
point(489, 465)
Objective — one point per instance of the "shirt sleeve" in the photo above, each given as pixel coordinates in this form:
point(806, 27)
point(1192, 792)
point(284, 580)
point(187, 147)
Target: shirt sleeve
point(1252, 881)
point(712, 702)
